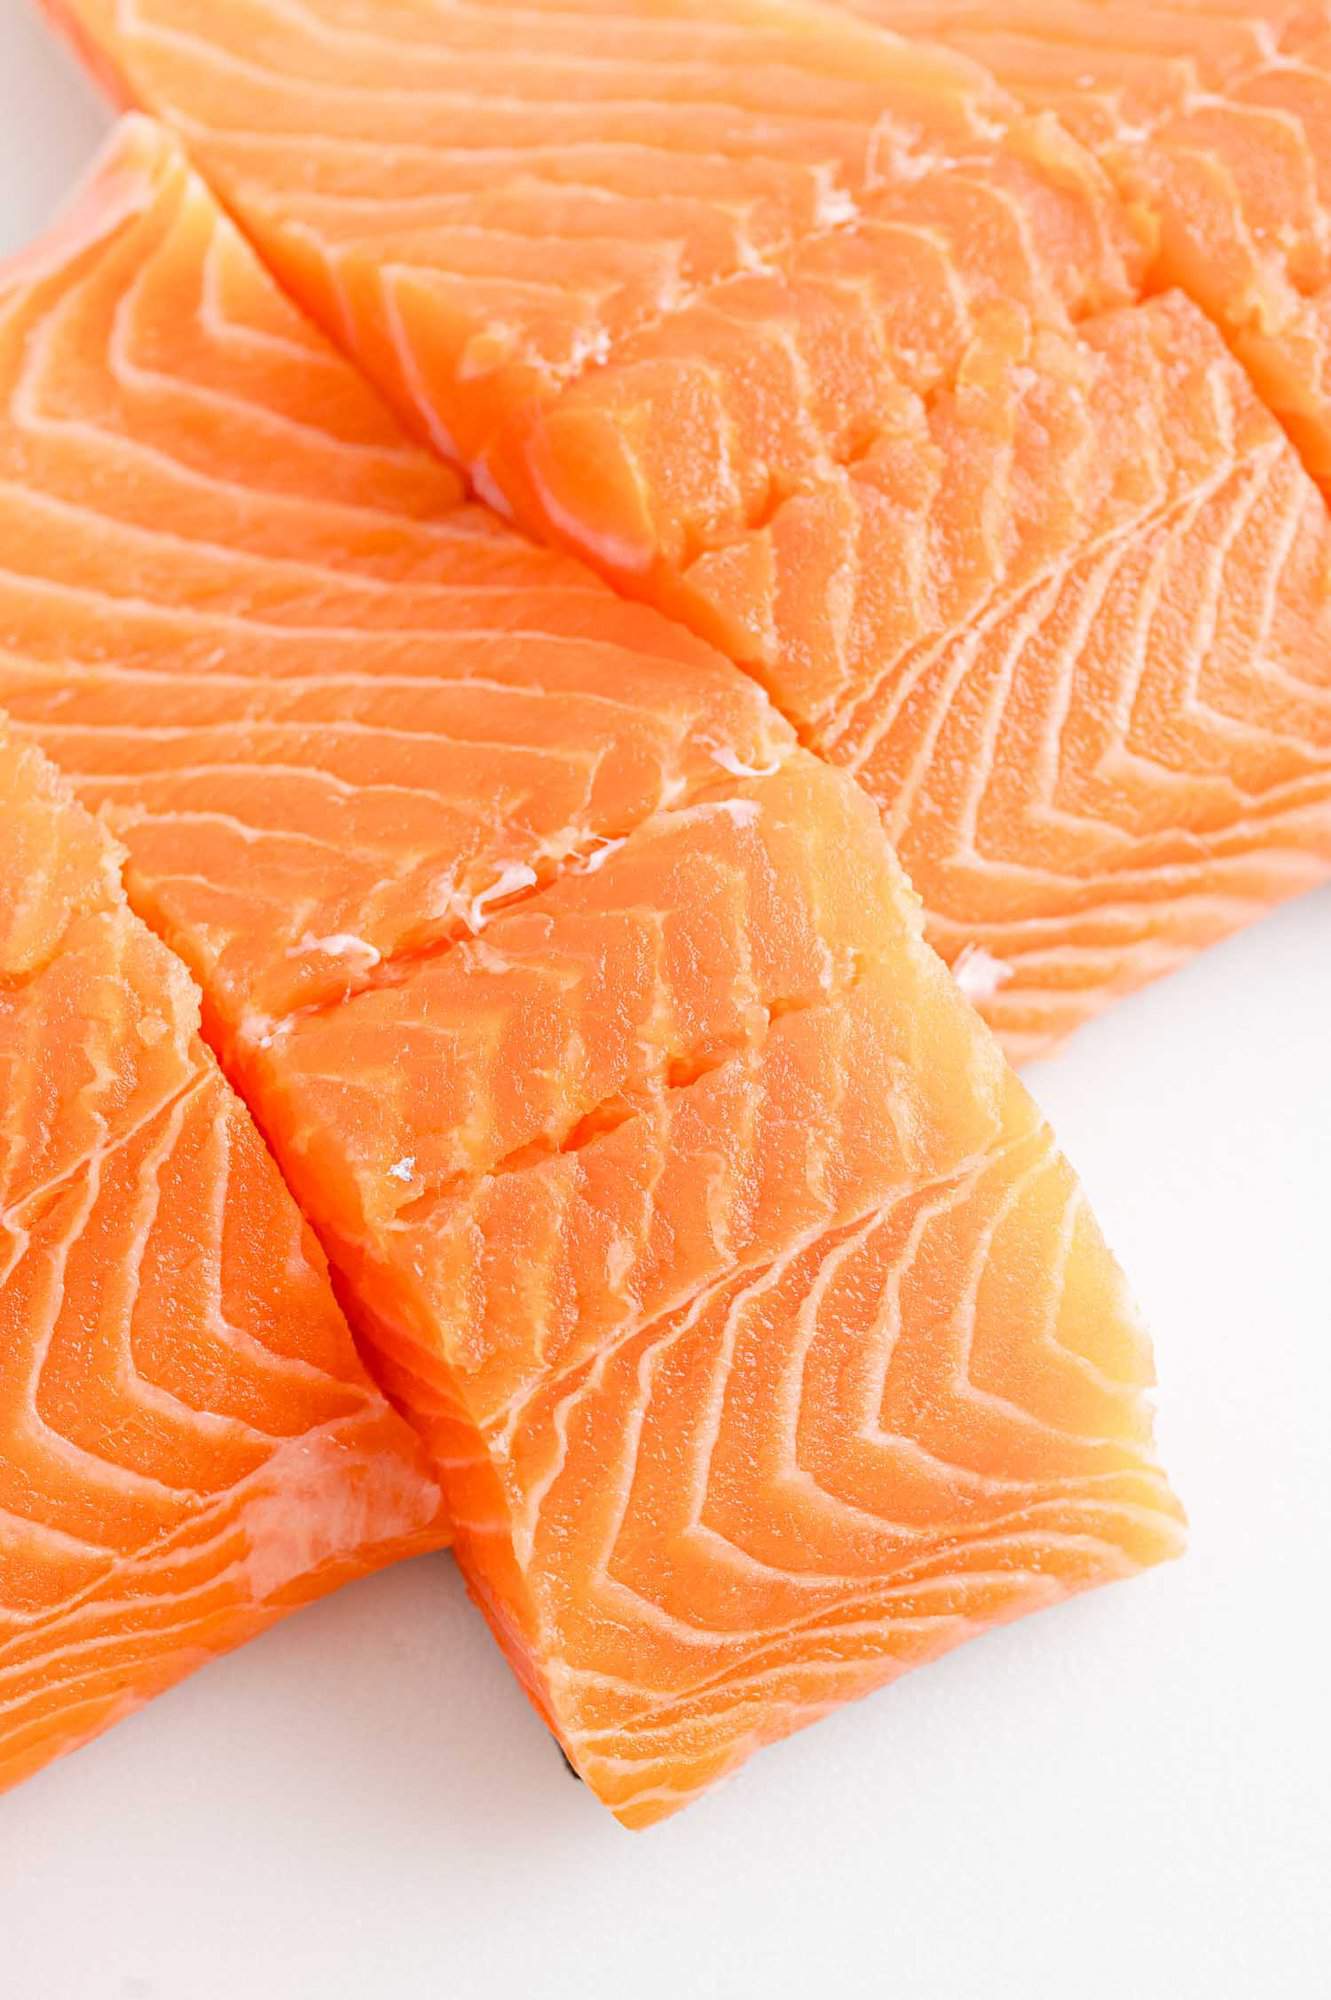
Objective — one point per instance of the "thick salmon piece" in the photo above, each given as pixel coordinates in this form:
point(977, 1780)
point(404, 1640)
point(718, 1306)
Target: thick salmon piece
point(764, 1342)
point(1073, 632)
point(1025, 554)
point(189, 1446)
point(336, 715)
point(1214, 119)
point(485, 201)
point(769, 1343)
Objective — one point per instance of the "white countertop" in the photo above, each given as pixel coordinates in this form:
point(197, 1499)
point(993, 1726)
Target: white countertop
point(1128, 1797)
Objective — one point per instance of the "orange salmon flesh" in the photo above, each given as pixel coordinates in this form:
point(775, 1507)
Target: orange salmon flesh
point(971, 398)
point(189, 1446)
point(763, 1342)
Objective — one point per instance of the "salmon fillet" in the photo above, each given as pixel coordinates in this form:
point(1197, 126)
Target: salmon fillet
point(189, 1446)
point(1214, 120)
point(336, 715)
point(764, 1341)
point(485, 200)
point(1024, 553)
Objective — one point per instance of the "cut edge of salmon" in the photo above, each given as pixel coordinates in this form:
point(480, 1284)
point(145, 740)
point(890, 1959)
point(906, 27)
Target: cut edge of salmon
point(1274, 317)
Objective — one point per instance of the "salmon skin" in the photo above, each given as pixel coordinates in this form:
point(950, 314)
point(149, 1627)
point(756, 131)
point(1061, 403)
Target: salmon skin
point(765, 1343)
point(1214, 121)
point(189, 1447)
point(863, 389)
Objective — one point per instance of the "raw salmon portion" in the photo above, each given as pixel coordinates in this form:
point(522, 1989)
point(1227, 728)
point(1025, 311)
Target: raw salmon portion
point(769, 1344)
point(1214, 120)
point(765, 1343)
point(702, 425)
point(485, 201)
point(1029, 557)
point(347, 714)
point(1073, 631)
point(189, 1446)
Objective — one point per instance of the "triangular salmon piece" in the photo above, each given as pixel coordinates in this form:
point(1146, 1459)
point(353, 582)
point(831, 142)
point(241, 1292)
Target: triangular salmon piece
point(189, 1446)
point(764, 1341)
point(857, 386)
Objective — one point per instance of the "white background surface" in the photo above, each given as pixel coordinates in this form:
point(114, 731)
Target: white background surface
point(1129, 1796)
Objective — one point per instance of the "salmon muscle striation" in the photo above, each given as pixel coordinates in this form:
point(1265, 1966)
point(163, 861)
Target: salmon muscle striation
point(189, 1447)
point(764, 1341)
